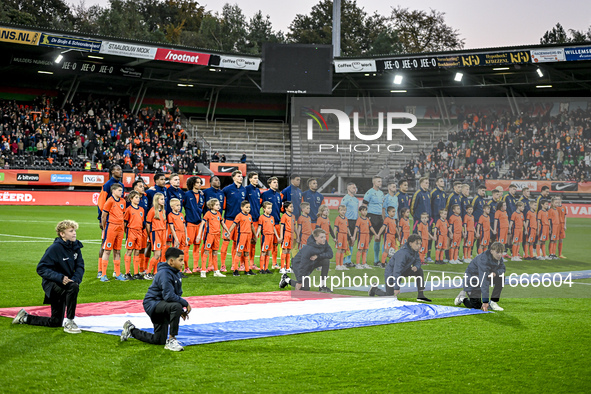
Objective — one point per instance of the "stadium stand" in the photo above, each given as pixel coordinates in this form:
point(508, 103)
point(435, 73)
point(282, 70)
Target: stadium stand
point(265, 142)
point(92, 136)
point(482, 145)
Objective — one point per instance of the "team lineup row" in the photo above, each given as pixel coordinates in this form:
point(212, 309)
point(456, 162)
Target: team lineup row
point(152, 220)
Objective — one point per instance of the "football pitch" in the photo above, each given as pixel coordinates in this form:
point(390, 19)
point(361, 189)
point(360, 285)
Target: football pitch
point(541, 341)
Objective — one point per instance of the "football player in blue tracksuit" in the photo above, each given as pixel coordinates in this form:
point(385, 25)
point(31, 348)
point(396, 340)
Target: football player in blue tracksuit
point(438, 202)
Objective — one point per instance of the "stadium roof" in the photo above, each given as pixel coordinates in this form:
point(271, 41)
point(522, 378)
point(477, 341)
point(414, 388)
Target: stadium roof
point(28, 66)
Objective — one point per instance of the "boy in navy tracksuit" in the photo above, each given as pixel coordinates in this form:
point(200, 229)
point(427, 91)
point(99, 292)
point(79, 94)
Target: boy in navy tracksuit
point(405, 263)
point(164, 304)
point(62, 269)
point(486, 267)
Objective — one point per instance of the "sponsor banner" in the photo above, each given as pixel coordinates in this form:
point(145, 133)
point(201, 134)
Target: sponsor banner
point(22, 197)
point(536, 186)
point(417, 63)
point(27, 177)
point(240, 63)
point(31, 61)
point(354, 66)
point(334, 202)
point(547, 55)
point(574, 210)
point(100, 179)
point(579, 53)
point(226, 169)
point(79, 178)
point(83, 67)
point(176, 56)
point(484, 59)
point(577, 211)
point(129, 50)
point(19, 36)
point(68, 42)
point(61, 178)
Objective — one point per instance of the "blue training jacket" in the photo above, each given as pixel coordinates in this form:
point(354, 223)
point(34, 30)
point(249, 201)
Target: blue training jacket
point(60, 259)
point(481, 267)
point(167, 286)
point(193, 204)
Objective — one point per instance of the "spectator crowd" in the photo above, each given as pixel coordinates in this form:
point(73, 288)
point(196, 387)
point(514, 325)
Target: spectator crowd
point(105, 131)
point(499, 145)
point(488, 144)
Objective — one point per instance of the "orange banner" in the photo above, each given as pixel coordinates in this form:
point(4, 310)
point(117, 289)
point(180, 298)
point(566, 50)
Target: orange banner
point(536, 186)
point(77, 178)
point(25, 197)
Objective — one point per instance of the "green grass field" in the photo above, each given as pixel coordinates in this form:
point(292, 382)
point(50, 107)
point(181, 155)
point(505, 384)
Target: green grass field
point(540, 342)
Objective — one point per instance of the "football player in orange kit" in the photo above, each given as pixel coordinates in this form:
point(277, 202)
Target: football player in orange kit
point(562, 220)
point(455, 229)
point(178, 230)
point(440, 232)
point(243, 222)
point(423, 231)
point(363, 237)
point(389, 231)
point(285, 239)
point(516, 230)
point(404, 226)
point(341, 227)
point(543, 230)
point(483, 229)
point(531, 231)
point(210, 232)
point(304, 228)
point(266, 227)
point(112, 220)
point(468, 233)
point(156, 223)
point(134, 218)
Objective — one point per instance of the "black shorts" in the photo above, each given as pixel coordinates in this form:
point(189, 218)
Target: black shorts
point(351, 223)
point(376, 221)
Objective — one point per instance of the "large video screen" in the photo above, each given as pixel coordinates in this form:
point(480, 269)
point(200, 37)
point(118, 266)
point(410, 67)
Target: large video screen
point(297, 68)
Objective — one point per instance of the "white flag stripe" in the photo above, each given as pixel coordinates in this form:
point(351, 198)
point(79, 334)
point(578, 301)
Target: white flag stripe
point(244, 312)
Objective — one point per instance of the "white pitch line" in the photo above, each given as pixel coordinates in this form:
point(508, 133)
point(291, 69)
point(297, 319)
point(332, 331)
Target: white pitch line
point(41, 239)
point(24, 236)
point(41, 221)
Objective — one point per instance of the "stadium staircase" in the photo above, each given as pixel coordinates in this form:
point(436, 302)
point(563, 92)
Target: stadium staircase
point(266, 143)
point(307, 160)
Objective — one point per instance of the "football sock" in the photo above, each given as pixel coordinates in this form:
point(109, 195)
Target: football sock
point(104, 266)
point(186, 256)
point(235, 262)
point(141, 261)
point(127, 261)
point(274, 253)
point(214, 261)
point(246, 261)
point(153, 264)
point(136, 265)
point(117, 264)
point(515, 250)
point(196, 256)
point(376, 249)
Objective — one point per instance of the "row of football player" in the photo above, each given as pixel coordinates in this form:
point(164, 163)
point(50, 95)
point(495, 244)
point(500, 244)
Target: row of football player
point(171, 230)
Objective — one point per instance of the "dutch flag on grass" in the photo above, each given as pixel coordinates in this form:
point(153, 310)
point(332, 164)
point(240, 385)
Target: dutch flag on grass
point(231, 317)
